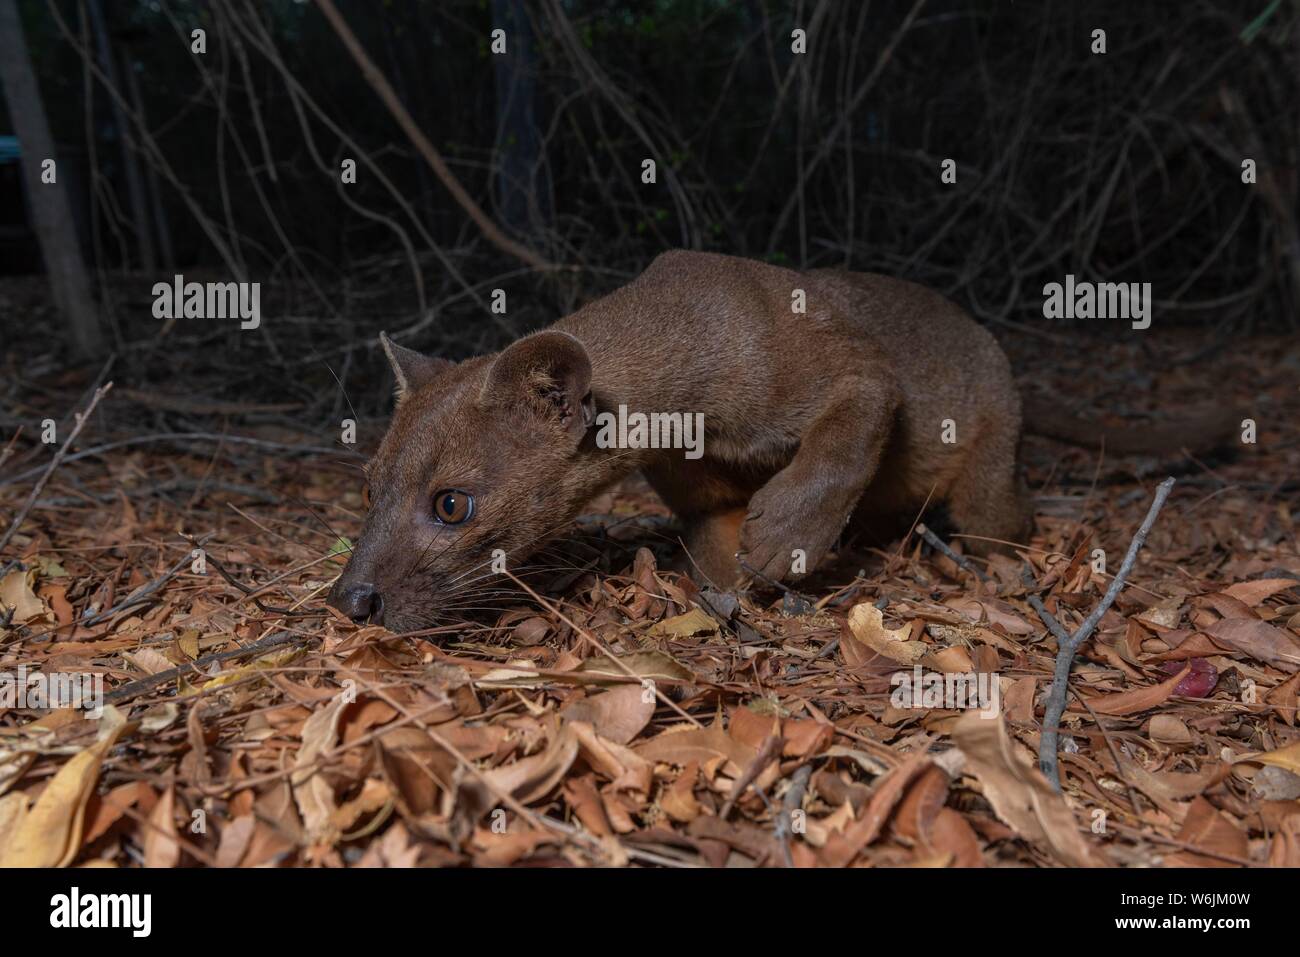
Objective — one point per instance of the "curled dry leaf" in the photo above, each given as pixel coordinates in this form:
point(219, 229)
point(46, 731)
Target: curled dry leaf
point(312, 792)
point(1019, 792)
point(16, 593)
point(868, 626)
point(1287, 758)
point(686, 745)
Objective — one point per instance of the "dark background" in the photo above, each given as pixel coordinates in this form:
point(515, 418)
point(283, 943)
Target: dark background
point(1123, 166)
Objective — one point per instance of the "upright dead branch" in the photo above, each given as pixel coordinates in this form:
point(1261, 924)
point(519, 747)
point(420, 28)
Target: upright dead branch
point(1067, 649)
point(381, 86)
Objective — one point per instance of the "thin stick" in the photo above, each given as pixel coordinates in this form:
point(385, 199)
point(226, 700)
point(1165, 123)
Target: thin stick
point(1065, 653)
point(81, 421)
point(1054, 626)
point(940, 545)
point(792, 802)
point(1114, 751)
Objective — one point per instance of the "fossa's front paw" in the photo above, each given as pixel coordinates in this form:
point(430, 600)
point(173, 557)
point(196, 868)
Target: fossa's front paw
point(784, 532)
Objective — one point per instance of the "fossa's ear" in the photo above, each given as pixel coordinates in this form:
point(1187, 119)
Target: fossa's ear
point(411, 369)
point(548, 372)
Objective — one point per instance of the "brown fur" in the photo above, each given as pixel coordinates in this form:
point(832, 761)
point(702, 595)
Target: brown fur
point(811, 420)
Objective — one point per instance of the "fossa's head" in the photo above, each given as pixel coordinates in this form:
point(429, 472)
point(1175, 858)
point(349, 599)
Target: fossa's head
point(480, 461)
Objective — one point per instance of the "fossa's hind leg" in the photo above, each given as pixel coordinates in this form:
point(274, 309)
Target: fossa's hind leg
point(989, 501)
point(711, 544)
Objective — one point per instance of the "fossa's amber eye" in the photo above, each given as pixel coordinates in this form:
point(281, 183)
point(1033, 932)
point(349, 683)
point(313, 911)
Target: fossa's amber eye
point(365, 496)
point(452, 506)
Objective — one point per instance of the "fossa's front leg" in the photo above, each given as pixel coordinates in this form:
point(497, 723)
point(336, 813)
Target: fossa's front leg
point(802, 509)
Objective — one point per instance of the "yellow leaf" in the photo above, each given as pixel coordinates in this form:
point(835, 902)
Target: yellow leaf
point(50, 834)
point(1287, 758)
point(274, 660)
point(689, 625)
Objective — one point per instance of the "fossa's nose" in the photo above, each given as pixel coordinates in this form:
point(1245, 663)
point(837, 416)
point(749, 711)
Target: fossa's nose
point(360, 602)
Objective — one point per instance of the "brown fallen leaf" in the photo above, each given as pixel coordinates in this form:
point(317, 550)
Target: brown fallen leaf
point(1285, 698)
point(57, 598)
point(161, 848)
point(1138, 699)
point(618, 714)
point(1169, 789)
point(684, 746)
point(840, 849)
point(625, 769)
point(1285, 850)
point(580, 793)
point(1253, 592)
point(1207, 828)
point(1259, 640)
point(921, 805)
point(235, 839)
point(679, 801)
point(1019, 793)
point(1287, 758)
point(1169, 729)
point(103, 813)
point(13, 809)
point(532, 778)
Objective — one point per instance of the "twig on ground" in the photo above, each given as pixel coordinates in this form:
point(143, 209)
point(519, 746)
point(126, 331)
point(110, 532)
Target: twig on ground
point(1055, 707)
point(1036, 603)
point(1114, 750)
point(940, 545)
point(133, 688)
point(144, 591)
point(792, 801)
point(59, 456)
